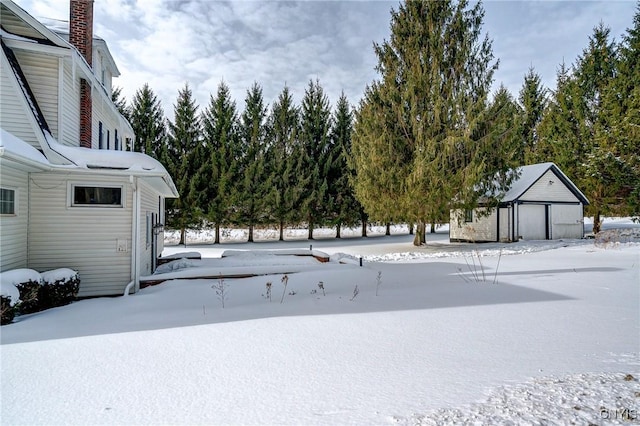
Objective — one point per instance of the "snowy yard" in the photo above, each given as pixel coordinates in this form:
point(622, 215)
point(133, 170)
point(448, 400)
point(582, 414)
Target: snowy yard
point(551, 336)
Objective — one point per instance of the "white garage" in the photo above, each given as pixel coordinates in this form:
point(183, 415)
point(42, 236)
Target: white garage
point(542, 204)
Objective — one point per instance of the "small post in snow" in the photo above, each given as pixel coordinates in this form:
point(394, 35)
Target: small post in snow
point(361, 261)
point(310, 247)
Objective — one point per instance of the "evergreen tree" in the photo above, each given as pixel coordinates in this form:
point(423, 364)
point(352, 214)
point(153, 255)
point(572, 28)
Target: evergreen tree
point(314, 138)
point(217, 176)
point(533, 100)
point(414, 148)
point(147, 120)
point(250, 194)
point(284, 163)
point(120, 102)
point(181, 160)
point(345, 209)
point(614, 164)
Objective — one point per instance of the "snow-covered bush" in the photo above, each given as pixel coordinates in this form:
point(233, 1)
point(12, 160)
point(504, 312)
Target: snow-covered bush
point(27, 283)
point(9, 298)
point(37, 292)
point(59, 287)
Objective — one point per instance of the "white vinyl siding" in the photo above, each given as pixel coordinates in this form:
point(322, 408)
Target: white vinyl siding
point(13, 228)
point(84, 239)
point(70, 107)
point(481, 228)
point(148, 207)
point(548, 188)
point(42, 74)
point(13, 109)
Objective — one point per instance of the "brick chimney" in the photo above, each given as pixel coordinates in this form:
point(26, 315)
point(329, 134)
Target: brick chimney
point(81, 36)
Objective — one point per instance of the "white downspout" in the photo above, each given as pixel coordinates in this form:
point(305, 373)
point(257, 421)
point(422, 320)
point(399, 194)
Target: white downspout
point(135, 238)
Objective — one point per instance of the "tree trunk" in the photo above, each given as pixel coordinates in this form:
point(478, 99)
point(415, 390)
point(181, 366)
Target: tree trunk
point(338, 230)
point(217, 239)
point(364, 228)
point(310, 225)
point(388, 231)
point(250, 234)
point(597, 222)
point(411, 229)
point(420, 237)
point(433, 227)
point(183, 237)
point(281, 238)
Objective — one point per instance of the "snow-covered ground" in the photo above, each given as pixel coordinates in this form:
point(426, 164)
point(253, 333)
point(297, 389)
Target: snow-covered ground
point(550, 334)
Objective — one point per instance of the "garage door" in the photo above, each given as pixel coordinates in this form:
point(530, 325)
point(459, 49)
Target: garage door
point(533, 221)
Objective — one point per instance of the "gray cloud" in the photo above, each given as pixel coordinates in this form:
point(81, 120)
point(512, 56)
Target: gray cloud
point(169, 43)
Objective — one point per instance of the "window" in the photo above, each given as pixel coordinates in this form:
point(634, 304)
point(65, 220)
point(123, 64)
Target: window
point(108, 140)
point(100, 136)
point(7, 201)
point(96, 196)
point(116, 141)
point(468, 215)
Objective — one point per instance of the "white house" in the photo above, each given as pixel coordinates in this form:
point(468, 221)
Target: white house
point(542, 204)
point(70, 196)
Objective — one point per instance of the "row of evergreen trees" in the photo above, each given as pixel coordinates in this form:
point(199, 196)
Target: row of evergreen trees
point(426, 137)
point(280, 165)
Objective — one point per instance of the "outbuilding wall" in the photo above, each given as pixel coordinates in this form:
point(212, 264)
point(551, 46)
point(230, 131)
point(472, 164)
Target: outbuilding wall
point(13, 228)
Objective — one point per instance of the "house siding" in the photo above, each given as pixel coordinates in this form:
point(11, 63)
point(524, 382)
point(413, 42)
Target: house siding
point(83, 238)
point(13, 228)
point(148, 205)
point(13, 113)
point(42, 73)
point(70, 108)
point(543, 191)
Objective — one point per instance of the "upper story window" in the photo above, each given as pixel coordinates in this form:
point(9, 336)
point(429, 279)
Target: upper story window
point(96, 196)
point(7, 201)
point(100, 136)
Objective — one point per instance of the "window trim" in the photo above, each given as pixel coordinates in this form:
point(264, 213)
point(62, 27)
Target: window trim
point(71, 195)
point(15, 201)
point(468, 215)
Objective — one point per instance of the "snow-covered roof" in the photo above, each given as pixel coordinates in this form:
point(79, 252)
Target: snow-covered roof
point(18, 150)
point(528, 175)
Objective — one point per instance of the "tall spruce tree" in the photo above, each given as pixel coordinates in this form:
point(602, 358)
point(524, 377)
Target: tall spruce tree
point(180, 157)
point(120, 102)
point(148, 122)
point(314, 138)
point(533, 100)
point(217, 177)
point(414, 150)
point(285, 163)
point(250, 208)
point(345, 208)
point(615, 159)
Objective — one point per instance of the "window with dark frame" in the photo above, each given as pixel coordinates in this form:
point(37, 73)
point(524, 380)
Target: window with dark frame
point(100, 136)
point(97, 196)
point(468, 215)
point(7, 201)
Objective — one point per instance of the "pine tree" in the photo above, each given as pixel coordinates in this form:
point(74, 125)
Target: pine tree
point(314, 138)
point(217, 176)
point(120, 102)
point(284, 163)
point(345, 209)
point(148, 122)
point(180, 157)
point(414, 150)
point(533, 101)
point(250, 195)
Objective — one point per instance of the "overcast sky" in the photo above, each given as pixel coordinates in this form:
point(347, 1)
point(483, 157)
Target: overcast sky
point(278, 43)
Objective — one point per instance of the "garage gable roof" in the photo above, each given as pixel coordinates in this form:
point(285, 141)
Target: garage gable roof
point(529, 175)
